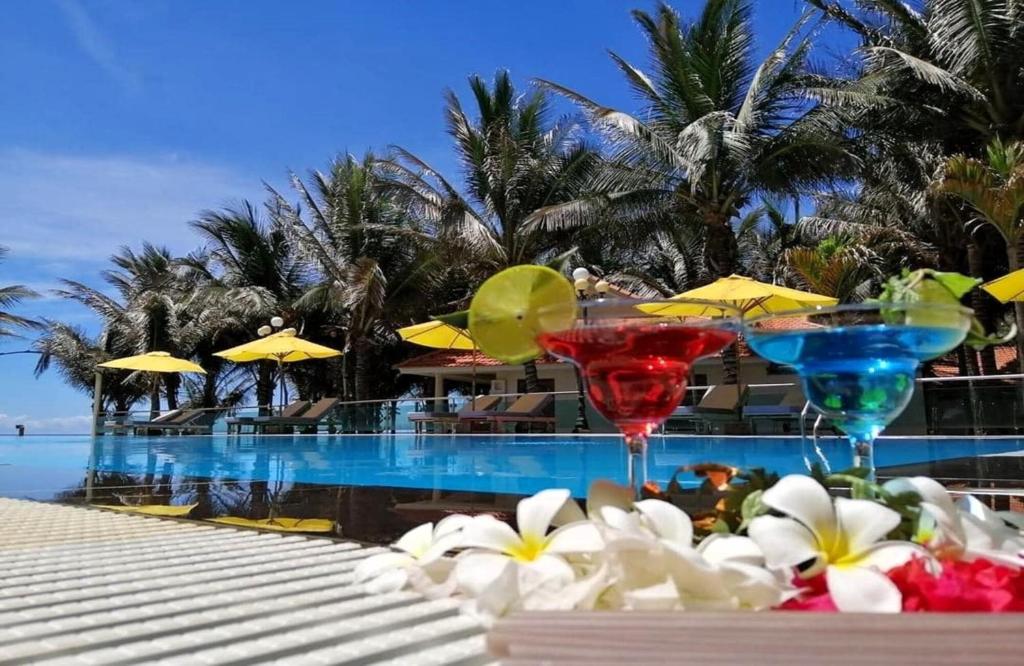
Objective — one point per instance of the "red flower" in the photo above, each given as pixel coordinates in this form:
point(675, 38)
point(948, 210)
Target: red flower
point(978, 586)
point(813, 596)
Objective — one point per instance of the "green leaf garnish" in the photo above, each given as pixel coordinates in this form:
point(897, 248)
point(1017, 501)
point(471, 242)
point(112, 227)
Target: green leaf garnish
point(930, 286)
point(458, 319)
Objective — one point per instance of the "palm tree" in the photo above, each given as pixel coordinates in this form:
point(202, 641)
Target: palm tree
point(370, 265)
point(76, 356)
point(836, 267)
point(716, 128)
point(515, 161)
point(143, 317)
point(150, 287)
point(934, 78)
point(10, 296)
point(764, 236)
point(250, 269)
point(994, 188)
point(669, 262)
point(950, 71)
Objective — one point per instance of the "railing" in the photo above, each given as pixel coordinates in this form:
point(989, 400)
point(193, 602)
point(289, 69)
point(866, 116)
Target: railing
point(984, 405)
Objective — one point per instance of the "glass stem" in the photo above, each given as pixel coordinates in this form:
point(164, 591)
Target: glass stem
point(636, 465)
point(863, 449)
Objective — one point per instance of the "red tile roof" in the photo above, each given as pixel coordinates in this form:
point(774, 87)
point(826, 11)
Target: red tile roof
point(1006, 362)
point(455, 358)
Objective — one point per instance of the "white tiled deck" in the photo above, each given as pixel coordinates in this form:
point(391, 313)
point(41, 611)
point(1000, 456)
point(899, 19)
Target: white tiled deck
point(82, 586)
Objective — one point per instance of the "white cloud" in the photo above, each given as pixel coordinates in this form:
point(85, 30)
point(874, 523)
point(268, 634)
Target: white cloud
point(67, 208)
point(51, 425)
point(96, 45)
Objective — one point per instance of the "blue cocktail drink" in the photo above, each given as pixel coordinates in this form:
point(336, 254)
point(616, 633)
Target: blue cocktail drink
point(857, 364)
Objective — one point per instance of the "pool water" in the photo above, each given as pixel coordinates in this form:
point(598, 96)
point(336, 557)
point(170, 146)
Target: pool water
point(49, 467)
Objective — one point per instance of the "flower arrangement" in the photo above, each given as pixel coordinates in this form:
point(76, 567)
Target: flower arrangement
point(906, 545)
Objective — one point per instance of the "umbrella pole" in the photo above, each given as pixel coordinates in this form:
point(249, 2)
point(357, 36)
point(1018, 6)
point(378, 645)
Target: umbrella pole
point(97, 400)
point(473, 396)
point(280, 379)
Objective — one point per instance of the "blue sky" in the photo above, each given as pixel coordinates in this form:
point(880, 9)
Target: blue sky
point(122, 119)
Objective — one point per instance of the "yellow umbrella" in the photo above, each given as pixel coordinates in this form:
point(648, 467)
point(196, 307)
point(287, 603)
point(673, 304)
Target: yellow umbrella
point(439, 334)
point(284, 347)
point(751, 297)
point(319, 525)
point(1008, 288)
point(154, 362)
point(164, 510)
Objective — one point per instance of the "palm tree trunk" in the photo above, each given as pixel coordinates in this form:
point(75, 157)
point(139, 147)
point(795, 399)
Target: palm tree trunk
point(154, 399)
point(336, 384)
point(350, 374)
point(532, 381)
point(721, 251)
point(209, 390)
point(981, 303)
point(264, 387)
point(171, 383)
point(721, 256)
point(1013, 259)
point(362, 351)
point(730, 365)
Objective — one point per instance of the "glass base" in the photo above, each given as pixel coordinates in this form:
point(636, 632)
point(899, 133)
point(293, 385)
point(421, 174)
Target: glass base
point(636, 463)
point(863, 450)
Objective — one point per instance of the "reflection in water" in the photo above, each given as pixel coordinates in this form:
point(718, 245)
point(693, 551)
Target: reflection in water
point(375, 486)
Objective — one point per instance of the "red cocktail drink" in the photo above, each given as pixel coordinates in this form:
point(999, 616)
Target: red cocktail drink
point(635, 367)
point(635, 375)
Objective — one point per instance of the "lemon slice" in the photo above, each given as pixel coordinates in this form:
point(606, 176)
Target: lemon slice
point(514, 306)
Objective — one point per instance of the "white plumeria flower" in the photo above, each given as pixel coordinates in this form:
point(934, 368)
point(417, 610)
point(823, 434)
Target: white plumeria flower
point(842, 540)
point(503, 568)
point(743, 571)
point(656, 567)
point(420, 550)
point(963, 530)
point(989, 535)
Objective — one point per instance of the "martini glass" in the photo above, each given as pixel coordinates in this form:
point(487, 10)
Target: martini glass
point(635, 365)
point(857, 363)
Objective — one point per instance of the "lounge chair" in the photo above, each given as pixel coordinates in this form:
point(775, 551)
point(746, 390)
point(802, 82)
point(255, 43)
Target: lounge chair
point(481, 406)
point(719, 404)
point(129, 424)
point(782, 407)
point(309, 418)
point(529, 408)
point(195, 421)
point(295, 408)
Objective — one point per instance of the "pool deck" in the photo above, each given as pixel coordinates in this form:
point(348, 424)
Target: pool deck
point(86, 586)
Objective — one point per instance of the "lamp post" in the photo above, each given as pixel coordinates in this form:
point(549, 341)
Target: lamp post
point(276, 324)
point(581, 282)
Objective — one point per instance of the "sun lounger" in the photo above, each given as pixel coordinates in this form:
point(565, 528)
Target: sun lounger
point(528, 409)
point(196, 421)
point(295, 408)
point(309, 418)
point(778, 406)
point(720, 409)
point(719, 404)
point(481, 406)
point(128, 424)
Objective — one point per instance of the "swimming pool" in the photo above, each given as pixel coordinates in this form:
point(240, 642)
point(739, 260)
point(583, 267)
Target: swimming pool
point(47, 467)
